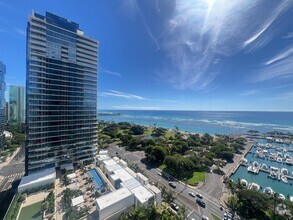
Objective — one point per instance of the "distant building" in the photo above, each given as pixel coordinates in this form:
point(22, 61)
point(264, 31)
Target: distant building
point(6, 112)
point(61, 102)
point(2, 103)
point(16, 104)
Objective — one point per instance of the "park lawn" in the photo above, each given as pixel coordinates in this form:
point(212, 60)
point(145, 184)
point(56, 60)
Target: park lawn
point(197, 177)
point(169, 134)
point(148, 131)
point(215, 217)
point(31, 212)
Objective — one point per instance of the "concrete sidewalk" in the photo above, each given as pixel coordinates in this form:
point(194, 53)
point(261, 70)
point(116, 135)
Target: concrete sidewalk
point(9, 158)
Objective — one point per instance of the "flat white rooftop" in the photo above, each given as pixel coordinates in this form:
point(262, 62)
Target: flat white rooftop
point(109, 162)
point(153, 188)
point(77, 200)
point(142, 176)
point(103, 157)
point(103, 152)
point(121, 174)
point(114, 167)
point(130, 171)
point(38, 177)
point(71, 176)
point(142, 194)
point(112, 198)
point(130, 184)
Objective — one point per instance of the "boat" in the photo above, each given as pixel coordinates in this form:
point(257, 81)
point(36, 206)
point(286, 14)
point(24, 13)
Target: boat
point(284, 171)
point(273, 175)
point(287, 156)
point(274, 169)
point(264, 166)
point(255, 164)
point(288, 161)
point(284, 179)
point(268, 190)
point(254, 186)
point(279, 160)
point(243, 182)
point(281, 196)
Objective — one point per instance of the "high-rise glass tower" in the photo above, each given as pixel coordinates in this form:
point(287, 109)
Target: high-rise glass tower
point(2, 103)
point(61, 94)
point(16, 104)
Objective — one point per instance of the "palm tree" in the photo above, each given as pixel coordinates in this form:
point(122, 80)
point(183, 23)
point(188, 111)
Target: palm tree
point(168, 196)
point(182, 213)
point(275, 197)
point(231, 186)
point(232, 204)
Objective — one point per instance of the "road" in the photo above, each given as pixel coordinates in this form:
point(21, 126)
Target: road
point(210, 191)
point(11, 173)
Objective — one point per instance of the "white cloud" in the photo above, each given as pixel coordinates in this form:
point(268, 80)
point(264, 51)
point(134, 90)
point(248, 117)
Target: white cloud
point(279, 66)
point(114, 93)
point(110, 72)
point(202, 31)
point(249, 92)
point(288, 35)
point(132, 9)
point(287, 52)
point(20, 31)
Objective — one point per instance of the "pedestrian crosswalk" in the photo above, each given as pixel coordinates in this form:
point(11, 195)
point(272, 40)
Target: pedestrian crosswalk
point(16, 174)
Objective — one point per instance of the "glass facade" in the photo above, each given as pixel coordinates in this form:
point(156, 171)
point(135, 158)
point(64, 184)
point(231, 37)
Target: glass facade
point(16, 104)
point(2, 103)
point(61, 94)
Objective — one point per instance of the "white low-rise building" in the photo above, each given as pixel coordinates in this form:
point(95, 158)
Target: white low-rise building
point(101, 158)
point(37, 179)
point(114, 204)
point(157, 194)
point(118, 177)
point(133, 189)
point(143, 197)
point(142, 179)
point(77, 200)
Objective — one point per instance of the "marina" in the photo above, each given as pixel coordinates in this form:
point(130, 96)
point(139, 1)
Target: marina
point(267, 167)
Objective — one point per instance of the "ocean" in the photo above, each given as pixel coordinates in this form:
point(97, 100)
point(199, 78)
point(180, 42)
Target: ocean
point(213, 122)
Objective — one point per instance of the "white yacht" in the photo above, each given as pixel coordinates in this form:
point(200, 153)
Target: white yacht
point(273, 175)
point(284, 179)
point(281, 196)
point(254, 186)
point(284, 171)
point(268, 190)
point(243, 182)
point(279, 160)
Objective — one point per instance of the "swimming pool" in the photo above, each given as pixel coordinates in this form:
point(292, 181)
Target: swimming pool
point(98, 181)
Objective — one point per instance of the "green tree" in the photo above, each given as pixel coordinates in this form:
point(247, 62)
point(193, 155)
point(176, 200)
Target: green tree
point(137, 129)
point(232, 204)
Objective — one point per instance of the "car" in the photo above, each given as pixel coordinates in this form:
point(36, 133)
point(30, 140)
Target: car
point(203, 217)
point(192, 194)
point(174, 206)
point(201, 203)
point(199, 195)
point(159, 173)
point(172, 184)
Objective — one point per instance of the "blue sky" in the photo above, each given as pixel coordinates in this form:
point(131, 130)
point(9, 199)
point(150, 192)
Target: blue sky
point(167, 54)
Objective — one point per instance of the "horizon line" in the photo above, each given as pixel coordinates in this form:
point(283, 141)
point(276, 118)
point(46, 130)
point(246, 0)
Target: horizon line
point(287, 111)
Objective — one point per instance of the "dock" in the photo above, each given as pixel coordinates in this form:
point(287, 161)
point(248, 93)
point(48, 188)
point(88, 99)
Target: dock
point(238, 162)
